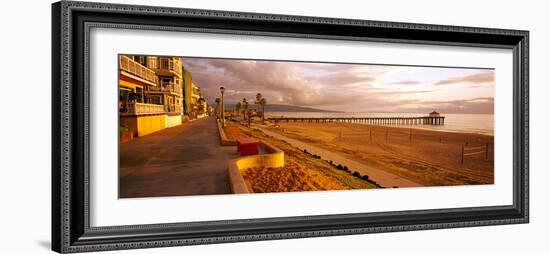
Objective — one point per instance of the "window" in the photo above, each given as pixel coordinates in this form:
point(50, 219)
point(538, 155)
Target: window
point(164, 63)
point(165, 81)
point(155, 100)
point(152, 62)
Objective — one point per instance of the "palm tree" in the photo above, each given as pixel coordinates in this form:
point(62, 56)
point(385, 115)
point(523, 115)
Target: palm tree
point(202, 105)
point(262, 103)
point(249, 113)
point(257, 102)
point(218, 113)
point(244, 105)
point(238, 108)
point(258, 98)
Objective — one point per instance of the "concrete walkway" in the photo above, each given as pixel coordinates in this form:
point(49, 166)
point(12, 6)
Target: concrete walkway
point(382, 177)
point(182, 160)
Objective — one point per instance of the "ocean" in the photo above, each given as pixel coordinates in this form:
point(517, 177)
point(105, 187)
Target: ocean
point(466, 123)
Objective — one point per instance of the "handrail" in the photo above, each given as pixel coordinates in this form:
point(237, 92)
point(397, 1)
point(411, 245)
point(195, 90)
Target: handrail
point(133, 67)
point(138, 108)
point(166, 86)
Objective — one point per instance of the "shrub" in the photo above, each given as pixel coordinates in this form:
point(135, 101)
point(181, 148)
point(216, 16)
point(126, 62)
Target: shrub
point(365, 177)
point(122, 129)
point(356, 174)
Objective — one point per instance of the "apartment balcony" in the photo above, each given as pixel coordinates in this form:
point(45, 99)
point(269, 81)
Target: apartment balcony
point(142, 109)
point(168, 67)
point(137, 71)
point(173, 108)
point(166, 87)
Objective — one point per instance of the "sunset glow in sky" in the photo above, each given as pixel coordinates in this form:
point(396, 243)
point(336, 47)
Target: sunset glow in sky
point(347, 87)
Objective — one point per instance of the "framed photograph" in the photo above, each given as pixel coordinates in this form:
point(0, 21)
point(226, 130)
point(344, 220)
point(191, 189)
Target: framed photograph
point(182, 126)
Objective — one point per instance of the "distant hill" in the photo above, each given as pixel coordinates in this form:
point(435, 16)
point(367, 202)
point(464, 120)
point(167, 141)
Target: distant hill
point(283, 108)
point(289, 108)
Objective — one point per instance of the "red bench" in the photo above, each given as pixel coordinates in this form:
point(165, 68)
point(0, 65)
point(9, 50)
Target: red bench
point(248, 146)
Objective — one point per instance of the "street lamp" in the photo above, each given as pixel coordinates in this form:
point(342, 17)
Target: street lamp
point(222, 90)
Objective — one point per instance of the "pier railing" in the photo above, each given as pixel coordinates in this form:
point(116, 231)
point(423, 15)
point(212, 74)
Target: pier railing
point(420, 120)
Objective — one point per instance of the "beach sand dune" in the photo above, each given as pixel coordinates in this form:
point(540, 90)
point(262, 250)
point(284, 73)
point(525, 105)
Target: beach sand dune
point(291, 177)
point(430, 158)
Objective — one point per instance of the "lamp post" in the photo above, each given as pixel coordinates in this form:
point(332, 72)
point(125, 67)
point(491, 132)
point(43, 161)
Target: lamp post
point(222, 90)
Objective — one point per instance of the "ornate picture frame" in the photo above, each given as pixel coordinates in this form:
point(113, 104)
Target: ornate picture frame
point(71, 24)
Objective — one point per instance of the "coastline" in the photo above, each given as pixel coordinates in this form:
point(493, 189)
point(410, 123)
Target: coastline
point(458, 123)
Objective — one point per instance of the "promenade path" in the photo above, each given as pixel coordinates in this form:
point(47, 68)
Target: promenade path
point(382, 177)
point(182, 160)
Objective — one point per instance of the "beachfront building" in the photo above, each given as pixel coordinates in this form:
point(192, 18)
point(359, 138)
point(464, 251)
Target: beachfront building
point(191, 95)
point(198, 103)
point(187, 85)
point(203, 107)
point(169, 91)
point(150, 93)
point(134, 79)
point(194, 94)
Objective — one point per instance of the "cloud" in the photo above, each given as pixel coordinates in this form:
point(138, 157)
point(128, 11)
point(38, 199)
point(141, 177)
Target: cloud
point(283, 82)
point(477, 78)
point(344, 79)
point(341, 87)
point(406, 82)
point(394, 92)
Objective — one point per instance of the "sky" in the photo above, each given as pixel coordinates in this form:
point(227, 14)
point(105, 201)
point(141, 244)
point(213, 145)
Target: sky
point(347, 87)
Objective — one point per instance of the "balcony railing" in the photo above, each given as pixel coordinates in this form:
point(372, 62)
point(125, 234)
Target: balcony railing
point(173, 108)
point(142, 109)
point(133, 67)
point(166, 86)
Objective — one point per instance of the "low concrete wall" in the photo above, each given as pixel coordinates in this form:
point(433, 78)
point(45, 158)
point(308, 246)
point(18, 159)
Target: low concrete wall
point(224, 141)
point(275, 159)
point(173, 120)
point(146, 124)
point(143, 125)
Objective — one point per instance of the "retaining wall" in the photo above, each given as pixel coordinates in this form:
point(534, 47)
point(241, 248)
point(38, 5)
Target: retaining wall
point(274, 159)
point(224, 141)
point(142, 125)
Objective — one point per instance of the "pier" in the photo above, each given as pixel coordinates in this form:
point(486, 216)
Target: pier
point(419, 120)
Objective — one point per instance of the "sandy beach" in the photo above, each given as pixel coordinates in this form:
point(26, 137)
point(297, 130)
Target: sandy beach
point(302, 171)
point(429, 158)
